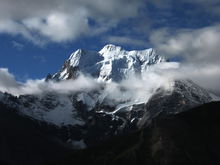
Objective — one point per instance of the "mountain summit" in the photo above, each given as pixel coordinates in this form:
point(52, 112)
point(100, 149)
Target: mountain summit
point(111, 63)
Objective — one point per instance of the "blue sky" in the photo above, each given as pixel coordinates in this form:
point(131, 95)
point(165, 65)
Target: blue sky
point(36, 37)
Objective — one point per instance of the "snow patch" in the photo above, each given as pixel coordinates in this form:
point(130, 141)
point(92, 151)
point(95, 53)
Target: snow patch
point(57, 110)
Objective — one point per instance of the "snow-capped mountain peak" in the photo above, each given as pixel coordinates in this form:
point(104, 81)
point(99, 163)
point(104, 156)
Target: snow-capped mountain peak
point(110, 48)
point(110, 63)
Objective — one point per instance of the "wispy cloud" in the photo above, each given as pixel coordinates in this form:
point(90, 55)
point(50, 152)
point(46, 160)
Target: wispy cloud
point(194, 45)
point(199, 50)
point(135, 89)
point(61, 21)
point(132, 89)
point(17, 45)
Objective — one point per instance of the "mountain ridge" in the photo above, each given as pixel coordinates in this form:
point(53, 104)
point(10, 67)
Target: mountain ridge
point(110, 63)
point(118, 104)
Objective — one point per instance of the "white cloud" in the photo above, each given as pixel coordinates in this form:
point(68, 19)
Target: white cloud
point(59, 21)
point(59, 27)
point(199, 50)
point(196, 46)
point(134, 89)
point(7, 81)
point(10, 85)
point(14, 28)
point(206, 75)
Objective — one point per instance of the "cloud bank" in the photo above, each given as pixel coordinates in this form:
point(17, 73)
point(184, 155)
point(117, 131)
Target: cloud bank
point(194, 45)
point(60, 21)
point(134, 89)
point(10, 85)
point(196, 49)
